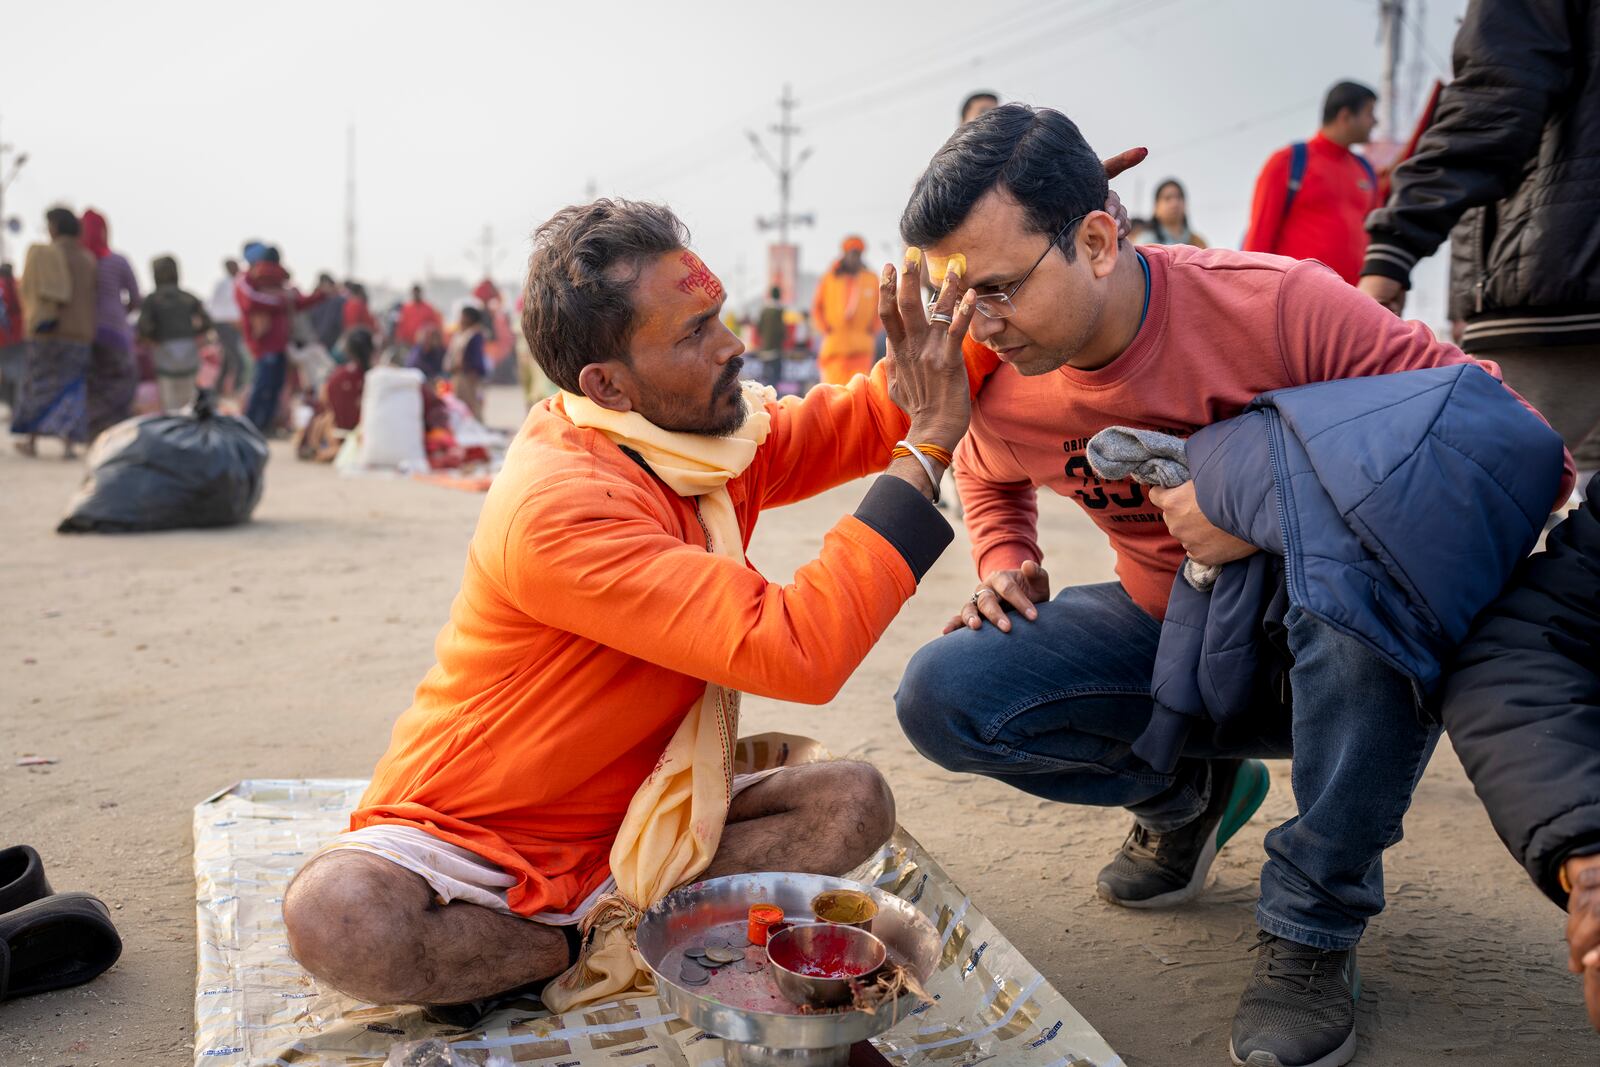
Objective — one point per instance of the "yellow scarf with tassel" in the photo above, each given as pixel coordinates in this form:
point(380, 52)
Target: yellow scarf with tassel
point(674, 821)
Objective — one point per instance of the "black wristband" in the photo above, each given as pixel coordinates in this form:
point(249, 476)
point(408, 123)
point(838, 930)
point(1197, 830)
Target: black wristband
point(905, 519)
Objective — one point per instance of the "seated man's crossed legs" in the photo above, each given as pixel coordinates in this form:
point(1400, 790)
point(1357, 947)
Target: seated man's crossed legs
point(1053, 708)
point(374, 930)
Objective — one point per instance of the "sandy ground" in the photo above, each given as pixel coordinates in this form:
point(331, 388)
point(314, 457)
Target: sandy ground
point(160, 668)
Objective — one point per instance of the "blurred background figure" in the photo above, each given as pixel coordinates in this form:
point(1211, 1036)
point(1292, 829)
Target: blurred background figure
point(428, 352)
point(415, 314)
point(466, 362)
point(173, 320)
point(772, 336)
point(113, 376)
point(357, 313)
point(326, 319)
point(268, 304)
point(1169, 219)
point(13, 351)
point(1313, 197)
point(58, 306)
point(1510, 164)
point(976, 104)
point(845, 315)
point(223, 307)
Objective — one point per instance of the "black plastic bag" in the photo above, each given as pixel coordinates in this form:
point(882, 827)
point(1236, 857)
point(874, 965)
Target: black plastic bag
point(163, 472)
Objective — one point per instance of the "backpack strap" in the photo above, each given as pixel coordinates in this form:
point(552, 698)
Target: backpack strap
point(1366, 165)
point(1298, 154)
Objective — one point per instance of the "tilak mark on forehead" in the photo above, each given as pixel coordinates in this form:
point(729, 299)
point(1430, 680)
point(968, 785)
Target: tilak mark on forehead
point(699, 277)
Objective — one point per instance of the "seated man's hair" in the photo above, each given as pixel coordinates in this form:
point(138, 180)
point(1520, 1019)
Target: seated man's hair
point(577, 307)
point(1345, 96)
point(1034, 156)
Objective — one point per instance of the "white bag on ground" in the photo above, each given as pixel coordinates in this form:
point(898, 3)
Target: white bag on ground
point(391, 419)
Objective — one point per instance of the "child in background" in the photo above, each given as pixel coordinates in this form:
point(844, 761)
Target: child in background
point(172, 320)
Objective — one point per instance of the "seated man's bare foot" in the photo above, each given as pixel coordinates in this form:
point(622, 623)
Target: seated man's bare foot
point(374, 930)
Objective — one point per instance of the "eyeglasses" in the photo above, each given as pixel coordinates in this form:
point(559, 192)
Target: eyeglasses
point(1003, 305)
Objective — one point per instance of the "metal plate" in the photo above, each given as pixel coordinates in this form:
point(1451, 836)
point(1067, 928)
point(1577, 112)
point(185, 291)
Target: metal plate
point(747, 1007)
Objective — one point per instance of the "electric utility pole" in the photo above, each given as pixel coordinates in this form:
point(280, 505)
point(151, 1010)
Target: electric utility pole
point(1391, 23)
point(486, 254)
point(350, 203)
point(785, 166)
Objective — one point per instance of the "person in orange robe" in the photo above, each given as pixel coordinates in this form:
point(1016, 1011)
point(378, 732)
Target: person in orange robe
point(600, 605)
point(845, 315)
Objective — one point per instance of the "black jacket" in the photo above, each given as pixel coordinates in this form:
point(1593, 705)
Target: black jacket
point(1513, 155)
point(1523, 702)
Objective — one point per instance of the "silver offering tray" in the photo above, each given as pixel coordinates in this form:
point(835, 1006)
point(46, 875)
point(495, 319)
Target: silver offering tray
point(745, 1007)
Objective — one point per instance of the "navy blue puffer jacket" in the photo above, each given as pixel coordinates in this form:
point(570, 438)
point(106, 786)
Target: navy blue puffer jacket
point(1393, 508)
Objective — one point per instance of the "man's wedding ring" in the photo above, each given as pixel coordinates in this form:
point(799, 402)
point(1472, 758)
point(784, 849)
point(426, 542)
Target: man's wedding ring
point(978, 594)
point(939, 316)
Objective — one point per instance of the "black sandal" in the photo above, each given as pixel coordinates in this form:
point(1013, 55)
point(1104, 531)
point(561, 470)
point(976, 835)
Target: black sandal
point(22, 879)
point(60, 941)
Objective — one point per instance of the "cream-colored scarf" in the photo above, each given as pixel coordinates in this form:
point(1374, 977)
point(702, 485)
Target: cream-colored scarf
point(674, 822)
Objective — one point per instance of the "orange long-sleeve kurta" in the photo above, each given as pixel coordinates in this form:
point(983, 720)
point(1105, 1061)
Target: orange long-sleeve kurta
point(591, 616)
point(845, 314)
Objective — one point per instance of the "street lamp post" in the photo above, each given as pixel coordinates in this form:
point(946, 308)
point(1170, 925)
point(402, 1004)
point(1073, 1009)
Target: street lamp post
point(5, 181)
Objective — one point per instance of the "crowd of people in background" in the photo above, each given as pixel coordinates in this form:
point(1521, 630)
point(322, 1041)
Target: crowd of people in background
point(79, 339)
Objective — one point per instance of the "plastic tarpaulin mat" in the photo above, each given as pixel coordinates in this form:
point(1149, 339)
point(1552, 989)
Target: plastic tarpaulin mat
point(255, 1006)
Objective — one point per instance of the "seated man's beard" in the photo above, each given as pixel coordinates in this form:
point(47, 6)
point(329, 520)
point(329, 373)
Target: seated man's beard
point(720, 418)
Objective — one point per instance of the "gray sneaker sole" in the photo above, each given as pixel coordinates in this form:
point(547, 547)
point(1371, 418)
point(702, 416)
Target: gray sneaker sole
point(1337, 1058)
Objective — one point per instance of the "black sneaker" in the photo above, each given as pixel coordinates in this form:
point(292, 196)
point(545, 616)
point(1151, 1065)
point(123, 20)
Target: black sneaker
point(1299, 1009)
point(1160, 870)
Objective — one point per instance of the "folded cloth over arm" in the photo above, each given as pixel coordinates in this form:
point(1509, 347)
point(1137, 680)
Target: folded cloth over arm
point(1149, 457)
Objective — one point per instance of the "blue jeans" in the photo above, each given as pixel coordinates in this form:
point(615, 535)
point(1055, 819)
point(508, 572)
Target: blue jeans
point(1054, 706)
point(265, 389)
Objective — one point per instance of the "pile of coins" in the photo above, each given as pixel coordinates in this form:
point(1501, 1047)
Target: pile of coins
point(702, 958)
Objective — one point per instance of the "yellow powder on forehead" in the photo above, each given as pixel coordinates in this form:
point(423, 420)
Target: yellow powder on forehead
point(939, 266)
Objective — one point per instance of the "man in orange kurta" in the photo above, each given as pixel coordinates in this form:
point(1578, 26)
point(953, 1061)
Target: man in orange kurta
point(594, 614)
point(844, 314)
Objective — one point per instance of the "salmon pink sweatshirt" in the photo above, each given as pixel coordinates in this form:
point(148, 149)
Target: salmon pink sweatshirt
point(1222, 327)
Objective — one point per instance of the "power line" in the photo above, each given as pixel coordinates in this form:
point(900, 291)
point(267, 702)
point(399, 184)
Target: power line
point(1039, 34)
point(1237, 127)
point(1034, 38)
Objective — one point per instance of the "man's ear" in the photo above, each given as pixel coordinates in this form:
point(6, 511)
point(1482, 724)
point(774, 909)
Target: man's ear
point(1097, 241)
point(607, 384)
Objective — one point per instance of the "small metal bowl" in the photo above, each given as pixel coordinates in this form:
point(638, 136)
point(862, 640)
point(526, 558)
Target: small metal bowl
point(845, 907)
point(847, 946)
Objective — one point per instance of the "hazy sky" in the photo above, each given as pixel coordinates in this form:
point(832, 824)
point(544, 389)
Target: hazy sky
point(196, 125)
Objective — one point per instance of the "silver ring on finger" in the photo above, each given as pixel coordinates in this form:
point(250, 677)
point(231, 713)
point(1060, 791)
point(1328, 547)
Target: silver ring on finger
point(939, 316)
point(978, 594)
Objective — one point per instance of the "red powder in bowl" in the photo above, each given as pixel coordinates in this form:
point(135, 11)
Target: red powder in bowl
point(829, 957)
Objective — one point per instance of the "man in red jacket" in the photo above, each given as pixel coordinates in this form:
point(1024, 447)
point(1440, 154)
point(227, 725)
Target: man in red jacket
point(416, 315)
point(267, 304)
point(1313, 197)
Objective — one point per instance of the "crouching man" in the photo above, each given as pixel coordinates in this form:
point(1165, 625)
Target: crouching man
point(570, 756)
point(1054, 695)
